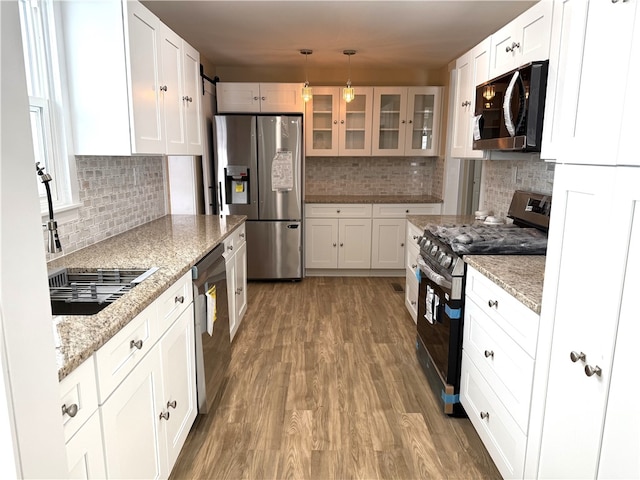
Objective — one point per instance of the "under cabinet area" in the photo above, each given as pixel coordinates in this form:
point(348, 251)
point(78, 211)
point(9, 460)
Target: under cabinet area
point(499, 349)
point(128, 408)
point(146, 94)
point(245, 97)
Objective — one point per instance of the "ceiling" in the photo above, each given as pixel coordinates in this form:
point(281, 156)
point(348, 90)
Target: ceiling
point(425, 34)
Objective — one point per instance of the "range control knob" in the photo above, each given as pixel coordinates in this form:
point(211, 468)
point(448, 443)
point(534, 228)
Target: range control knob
point(446, 261)
point(433, 251)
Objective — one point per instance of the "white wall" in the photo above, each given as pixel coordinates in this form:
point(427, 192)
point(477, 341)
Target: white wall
point(29, 386)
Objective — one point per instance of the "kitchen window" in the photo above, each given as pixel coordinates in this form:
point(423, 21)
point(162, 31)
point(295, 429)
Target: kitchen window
point(46, 103)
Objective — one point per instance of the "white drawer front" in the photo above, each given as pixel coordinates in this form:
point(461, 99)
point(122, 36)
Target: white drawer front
point(174, 301)
point(234, 241)
point(518, 321)
point(338, 210)
point(411, 256)
point(79, 394)
point(507, 368)
point(401, 210)
point(116, 358)
point(413, 234)
point(500, 434)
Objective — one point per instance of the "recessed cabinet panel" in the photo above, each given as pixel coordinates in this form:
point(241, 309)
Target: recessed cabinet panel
point(172, 97)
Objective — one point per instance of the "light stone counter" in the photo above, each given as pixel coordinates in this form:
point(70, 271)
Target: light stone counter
point(173, 243)
point(520, 275)
point(421, 221)
point(371, 199)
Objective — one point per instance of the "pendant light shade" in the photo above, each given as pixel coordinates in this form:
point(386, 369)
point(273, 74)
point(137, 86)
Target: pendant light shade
point(307, 93)
point(348, 93)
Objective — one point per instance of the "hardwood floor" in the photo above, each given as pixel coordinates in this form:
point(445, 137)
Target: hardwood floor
point(324, 384)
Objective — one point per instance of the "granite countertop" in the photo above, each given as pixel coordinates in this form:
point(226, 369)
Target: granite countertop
point(173, 243)
point(520, 275)
point(371, 199)
point(421, 221)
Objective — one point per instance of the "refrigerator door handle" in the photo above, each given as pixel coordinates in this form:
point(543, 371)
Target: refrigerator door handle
point(220, 197)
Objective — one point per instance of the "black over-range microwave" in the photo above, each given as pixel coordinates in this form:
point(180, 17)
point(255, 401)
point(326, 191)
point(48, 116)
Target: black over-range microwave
point(510, 110)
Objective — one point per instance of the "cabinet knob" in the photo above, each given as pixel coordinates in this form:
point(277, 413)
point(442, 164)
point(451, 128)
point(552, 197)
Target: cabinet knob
point(402, 244)
point(403, 122)
point(163, 88)
point(484, 415)
point(406, 211)
point(493, 303)
point(173, 404)
point(179, 299)
point(164, 416)
point(342, 122)
point(590, 371)
point(255, 98)
point(410, 121)
point(341, 244)
point(136, 344)
point(334, 244)
point(575, 356)
point(338, 211)
point(335, 122)
point(70, 410)
point(263, 98)
point(488, 353)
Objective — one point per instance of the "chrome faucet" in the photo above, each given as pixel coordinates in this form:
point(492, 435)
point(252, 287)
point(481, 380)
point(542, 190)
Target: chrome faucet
point(54, 245)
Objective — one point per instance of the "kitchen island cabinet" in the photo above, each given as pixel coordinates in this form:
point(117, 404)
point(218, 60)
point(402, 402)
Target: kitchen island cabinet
point(235, 255)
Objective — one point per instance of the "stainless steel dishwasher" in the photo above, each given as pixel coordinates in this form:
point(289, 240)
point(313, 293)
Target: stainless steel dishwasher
point(213, 343)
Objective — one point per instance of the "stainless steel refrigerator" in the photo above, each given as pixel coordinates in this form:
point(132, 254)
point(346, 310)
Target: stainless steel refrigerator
point(258, 165)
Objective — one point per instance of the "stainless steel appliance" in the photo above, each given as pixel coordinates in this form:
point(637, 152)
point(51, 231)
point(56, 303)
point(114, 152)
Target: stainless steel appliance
point(213, 342)
point(258, 165)
point(510, 109)
point(442, 283)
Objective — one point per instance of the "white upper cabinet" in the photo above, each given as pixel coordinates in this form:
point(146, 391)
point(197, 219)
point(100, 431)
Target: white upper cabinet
point(242, 97)
point(192, 99)
point(472, 69)
point(595, 104)
point(335, 127)
point(127, 85)
point(406, 121)
point(523, 40)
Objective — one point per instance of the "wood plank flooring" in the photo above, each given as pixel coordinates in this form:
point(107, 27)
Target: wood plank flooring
point(324, 384)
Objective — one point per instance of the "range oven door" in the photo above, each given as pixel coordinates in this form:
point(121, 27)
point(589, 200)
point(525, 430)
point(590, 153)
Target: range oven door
point(439, 338)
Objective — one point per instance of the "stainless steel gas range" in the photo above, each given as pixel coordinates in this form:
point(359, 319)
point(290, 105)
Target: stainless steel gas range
point(442, 283)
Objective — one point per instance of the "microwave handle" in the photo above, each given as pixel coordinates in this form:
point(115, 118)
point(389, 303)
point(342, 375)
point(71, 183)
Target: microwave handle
point(506, 105)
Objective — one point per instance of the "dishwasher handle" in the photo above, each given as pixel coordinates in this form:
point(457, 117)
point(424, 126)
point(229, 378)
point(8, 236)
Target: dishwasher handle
point(212, 264)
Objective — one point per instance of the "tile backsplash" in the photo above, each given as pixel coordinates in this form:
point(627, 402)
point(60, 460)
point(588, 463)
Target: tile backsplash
point(117, 194)
point(503, 177)
point(374, 175)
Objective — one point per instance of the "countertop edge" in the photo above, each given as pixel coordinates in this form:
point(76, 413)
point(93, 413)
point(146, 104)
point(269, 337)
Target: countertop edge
point(375, 199)
point(83, 335)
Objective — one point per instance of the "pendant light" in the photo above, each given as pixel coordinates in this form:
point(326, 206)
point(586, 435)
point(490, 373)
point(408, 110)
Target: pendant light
point(348, 93)
point(307, 94)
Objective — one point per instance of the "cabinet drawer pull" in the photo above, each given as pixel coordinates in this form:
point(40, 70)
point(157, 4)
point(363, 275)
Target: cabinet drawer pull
point(163, 88)
point(415, 237)
point(71, 410)
point(575, 356)
point(493, 303)
point(413, 302)
point(414, 266)
point(488, 353)
point(230, 247)
point(180, 299)
point(590, 371)
point(173, 404)
point(239, 291)
point(241, 235)
point(484, 415)
point(136, 344)
point(165, 416)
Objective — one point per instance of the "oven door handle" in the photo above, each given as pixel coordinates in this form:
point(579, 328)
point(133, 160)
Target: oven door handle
point(432, 275)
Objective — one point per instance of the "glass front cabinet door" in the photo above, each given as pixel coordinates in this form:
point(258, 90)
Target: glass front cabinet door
point(406, 121)
point(335, 127)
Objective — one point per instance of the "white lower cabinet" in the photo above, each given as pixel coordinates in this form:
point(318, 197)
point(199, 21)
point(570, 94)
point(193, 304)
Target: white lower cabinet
point(132, 426)
point(236, 266)
point(128, 409)
point(497, 370)
point(85, 451)
point(359, 236)
point(412, 251)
